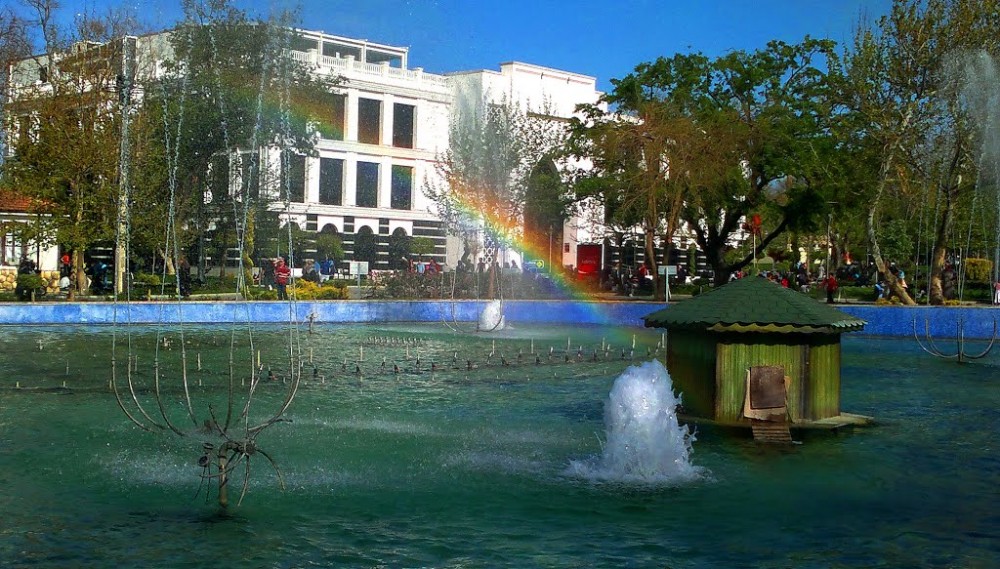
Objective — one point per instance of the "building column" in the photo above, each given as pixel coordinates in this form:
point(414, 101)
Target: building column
point(387, 118)
point(385, 183)
point(351, 116)
point(351, 180)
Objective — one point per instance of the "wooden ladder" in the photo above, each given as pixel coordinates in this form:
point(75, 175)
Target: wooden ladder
point(771, 431)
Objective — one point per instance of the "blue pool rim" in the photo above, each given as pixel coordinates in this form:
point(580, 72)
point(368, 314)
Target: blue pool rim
point(975, 322)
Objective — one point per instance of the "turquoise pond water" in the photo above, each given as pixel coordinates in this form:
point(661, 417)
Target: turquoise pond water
point(460, 468)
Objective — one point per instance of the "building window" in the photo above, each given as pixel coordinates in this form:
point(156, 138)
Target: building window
point(332, 125)
point(293, 177)
point(402, 125)
point(369, 121)
point(394, 60)
point(402, 187)
point(250, 174)
point(331, 181)
point(367, 184)
point(218, 184)
point(366, 246)
point(24, 129)
point(341, 51)
point(10, 249)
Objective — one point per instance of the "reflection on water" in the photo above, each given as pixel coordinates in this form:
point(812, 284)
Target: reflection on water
point(465, 464)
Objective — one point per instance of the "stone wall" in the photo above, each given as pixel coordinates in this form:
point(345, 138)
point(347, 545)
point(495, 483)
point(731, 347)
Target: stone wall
point(8, 280)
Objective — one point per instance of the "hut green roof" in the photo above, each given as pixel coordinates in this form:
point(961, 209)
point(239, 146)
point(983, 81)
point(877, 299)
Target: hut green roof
point(754, 304)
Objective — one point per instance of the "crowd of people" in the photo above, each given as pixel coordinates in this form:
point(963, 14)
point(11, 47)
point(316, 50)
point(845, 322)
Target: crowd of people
point(275, 273)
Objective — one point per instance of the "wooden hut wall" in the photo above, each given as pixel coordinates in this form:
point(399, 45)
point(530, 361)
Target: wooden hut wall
point(823, 384)
point(735, 357)
point(691, 363)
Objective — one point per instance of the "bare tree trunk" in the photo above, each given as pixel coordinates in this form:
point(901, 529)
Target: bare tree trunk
point(945, 226)
point(79, 274)
point(168, 262)
point(650, 237)
point(894, 284)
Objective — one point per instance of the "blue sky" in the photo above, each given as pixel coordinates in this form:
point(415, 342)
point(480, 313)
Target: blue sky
point(602, 39)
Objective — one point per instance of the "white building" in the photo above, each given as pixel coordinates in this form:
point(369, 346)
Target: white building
point(546, 95)
point(390, 125)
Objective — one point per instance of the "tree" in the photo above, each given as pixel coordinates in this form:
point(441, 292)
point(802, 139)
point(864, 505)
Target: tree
point(728, 136)
point(904, 108)
point(66, 153)
point(493, 149)
point(225, 104)
point(646, 160)
point(14, 46)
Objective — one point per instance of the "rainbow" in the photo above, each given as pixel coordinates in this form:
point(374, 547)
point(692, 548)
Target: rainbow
point(508, 230)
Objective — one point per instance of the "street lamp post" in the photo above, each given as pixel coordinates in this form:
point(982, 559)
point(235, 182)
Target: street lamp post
point(550, 248)
point(829, 245)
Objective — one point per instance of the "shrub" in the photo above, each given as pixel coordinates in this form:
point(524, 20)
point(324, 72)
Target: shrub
point(256, 293)
point(147, 279)
point(307, 290)
point(29, 282)
point(978, 270)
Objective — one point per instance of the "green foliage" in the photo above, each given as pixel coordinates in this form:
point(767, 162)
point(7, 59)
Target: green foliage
point(895, 240)
point(147, 279)
point(220, 104)
point(258, 293)
point(329, 245)
point(741, 133)
point(906, 119)
point(31, 281)
point(422, 246)
point(306, 290)
point(66, 161)
point(979, 270)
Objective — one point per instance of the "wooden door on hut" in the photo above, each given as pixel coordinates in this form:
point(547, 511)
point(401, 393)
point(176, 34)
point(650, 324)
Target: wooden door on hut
point(765, 403)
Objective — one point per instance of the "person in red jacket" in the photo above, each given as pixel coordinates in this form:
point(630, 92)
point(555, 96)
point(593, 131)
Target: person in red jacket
point(282, 274)
point(831, 287)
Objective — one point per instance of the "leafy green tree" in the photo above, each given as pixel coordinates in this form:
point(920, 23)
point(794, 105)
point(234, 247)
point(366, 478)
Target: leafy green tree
point(226, 102)
point(66, 152)
point(752, 120)
point(329, 245)
point(647, 159)
point(493, 149)
point(905, 112)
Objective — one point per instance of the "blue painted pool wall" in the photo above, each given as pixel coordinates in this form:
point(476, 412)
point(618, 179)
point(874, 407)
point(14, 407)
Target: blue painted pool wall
point(92, 313)
point(941, 322)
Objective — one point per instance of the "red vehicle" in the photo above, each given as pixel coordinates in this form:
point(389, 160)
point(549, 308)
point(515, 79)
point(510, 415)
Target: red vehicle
point(588, 261)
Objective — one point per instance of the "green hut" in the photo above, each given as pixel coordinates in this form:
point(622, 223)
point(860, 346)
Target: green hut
point(754, 344)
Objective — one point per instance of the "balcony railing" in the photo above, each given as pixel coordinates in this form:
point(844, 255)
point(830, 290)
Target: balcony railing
point(373, 70)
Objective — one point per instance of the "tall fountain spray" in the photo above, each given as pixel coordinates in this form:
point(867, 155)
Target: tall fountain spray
point(980, 80)
point(492, 318)
point(644, 444)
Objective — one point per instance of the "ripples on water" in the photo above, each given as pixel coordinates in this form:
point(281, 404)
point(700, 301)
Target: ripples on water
point(469, 469)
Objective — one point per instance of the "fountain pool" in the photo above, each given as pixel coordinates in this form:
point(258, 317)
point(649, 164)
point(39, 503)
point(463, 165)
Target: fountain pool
point(471, 468)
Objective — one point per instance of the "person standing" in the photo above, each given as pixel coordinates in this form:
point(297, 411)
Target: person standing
point(184, 277)
point(267, 273)
point(996, 292)
point(65, 273)
point(831, 287)
point(282, 274)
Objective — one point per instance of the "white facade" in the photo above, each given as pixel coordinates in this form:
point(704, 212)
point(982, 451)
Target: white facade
point(394, 125)
point(370, 169)
point(545, 94)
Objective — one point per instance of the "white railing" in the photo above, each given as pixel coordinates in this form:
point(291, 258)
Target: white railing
point(300, 56)
point(351, 65)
